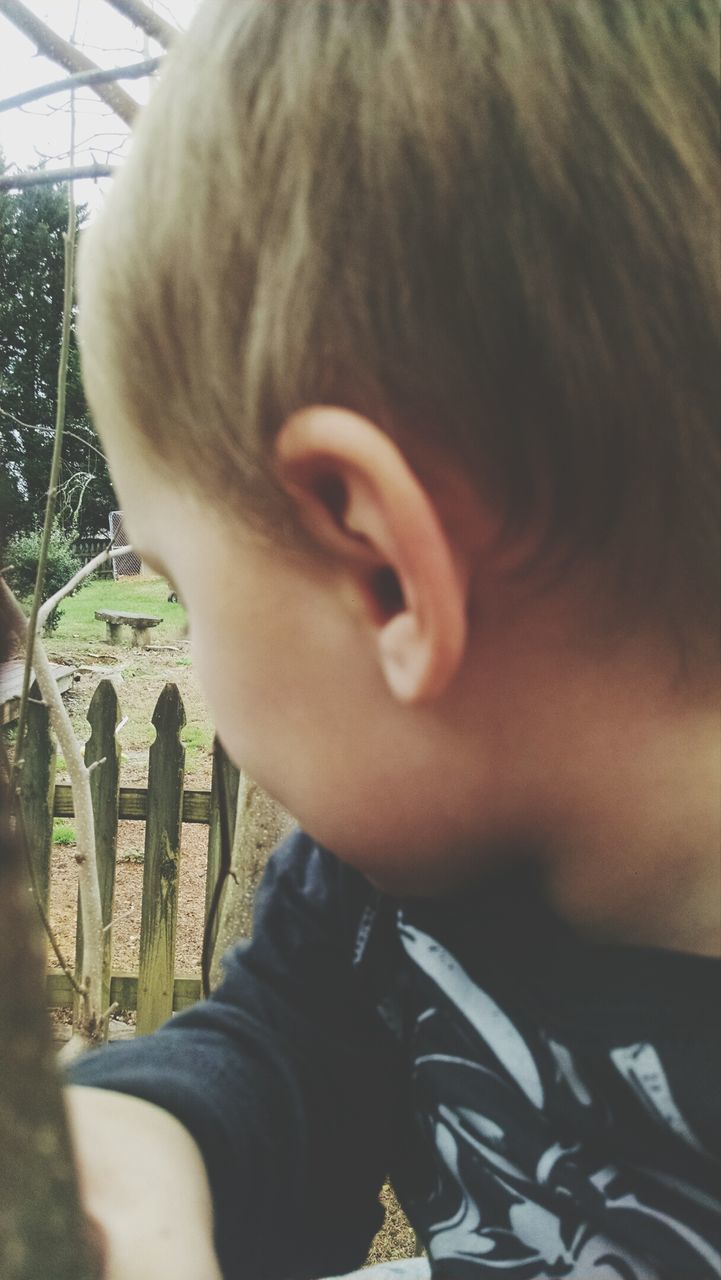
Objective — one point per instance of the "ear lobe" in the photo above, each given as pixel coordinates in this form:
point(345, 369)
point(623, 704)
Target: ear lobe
point(360, 500)
point(410, 661)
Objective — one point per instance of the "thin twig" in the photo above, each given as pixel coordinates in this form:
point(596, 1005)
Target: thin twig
point(68, 283)
point(41, 177)
point(123, 915)
point(103, 75)
point(77, 987)
point(29, 426)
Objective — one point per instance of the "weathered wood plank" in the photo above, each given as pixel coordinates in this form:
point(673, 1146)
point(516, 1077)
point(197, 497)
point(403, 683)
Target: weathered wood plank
point(162, 860)
point(133, 804)
point(37, 781)
point(123, 990)
point(102, 745)
point(129, 619)
point(224, 787)
point(11, 682)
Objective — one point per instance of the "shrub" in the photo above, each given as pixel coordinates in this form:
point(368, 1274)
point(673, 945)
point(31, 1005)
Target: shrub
point(22, 553)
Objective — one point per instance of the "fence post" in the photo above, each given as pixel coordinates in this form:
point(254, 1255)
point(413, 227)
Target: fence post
point(38, 792)
point(227, 792)
point(260, 822)
point(162, 856)
point(103, 716)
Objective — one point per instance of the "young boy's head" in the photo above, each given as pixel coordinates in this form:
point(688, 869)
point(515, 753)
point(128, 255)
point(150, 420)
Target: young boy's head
point(401, 329)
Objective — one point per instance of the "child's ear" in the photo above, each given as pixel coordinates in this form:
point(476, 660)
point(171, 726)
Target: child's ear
point(358, 497)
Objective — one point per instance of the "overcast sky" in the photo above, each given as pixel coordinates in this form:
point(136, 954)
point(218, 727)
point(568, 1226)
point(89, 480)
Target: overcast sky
point(29, 134)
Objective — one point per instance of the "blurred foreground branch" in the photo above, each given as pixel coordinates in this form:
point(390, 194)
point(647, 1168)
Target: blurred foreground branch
point(141, 15)
point(102, 75)
point(54, 47)
point(40, 177)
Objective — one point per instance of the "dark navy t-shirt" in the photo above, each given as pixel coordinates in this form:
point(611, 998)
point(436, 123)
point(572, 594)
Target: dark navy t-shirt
point(545, 1107)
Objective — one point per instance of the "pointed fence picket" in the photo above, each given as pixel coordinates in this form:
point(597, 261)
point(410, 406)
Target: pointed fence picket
point(164, 805)
point(159, 916)
point(102, 750)
point(36, 800)
point(223, 806)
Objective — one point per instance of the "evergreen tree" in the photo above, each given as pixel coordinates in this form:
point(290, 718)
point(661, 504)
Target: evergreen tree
point(32, 227)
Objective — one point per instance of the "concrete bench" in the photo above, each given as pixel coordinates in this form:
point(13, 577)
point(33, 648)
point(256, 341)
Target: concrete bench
point(139, 623)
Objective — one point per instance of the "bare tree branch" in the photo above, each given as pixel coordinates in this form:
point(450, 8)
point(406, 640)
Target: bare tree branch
point(54, 47)
point(48, 431)
point(40, 177)
point(141, 15)
point(103, 75)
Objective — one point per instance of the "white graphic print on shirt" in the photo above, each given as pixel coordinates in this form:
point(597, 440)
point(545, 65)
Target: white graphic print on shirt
point(517, 1192)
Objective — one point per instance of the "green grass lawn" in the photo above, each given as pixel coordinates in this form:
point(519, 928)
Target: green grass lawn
point(129, 595)
point(80, 638)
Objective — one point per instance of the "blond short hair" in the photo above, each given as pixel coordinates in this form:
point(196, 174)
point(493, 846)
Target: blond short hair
point(490, 223)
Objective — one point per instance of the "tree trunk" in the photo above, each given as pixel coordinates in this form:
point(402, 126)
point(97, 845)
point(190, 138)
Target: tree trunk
point(44, 1234)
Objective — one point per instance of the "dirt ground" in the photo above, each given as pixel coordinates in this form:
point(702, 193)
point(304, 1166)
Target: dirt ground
point(139, 676)
point(128, 895)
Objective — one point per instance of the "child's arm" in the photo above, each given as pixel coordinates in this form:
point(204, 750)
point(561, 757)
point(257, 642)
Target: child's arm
point(286, 1080)
point(144, 1183)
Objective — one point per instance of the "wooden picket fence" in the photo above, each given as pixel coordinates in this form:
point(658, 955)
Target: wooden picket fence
point(155, 991)
point(88, 547)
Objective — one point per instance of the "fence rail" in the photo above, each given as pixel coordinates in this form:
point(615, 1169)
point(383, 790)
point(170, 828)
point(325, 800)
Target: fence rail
point(164, 805)
point(123, 991)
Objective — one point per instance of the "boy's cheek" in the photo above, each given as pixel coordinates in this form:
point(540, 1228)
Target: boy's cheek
point(246, 707)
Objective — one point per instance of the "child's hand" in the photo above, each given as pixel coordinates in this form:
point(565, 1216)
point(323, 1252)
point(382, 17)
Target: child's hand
point(143, 1183)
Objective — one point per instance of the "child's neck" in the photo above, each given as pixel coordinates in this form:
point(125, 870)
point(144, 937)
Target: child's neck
point(611, 773)
point(640, 863)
